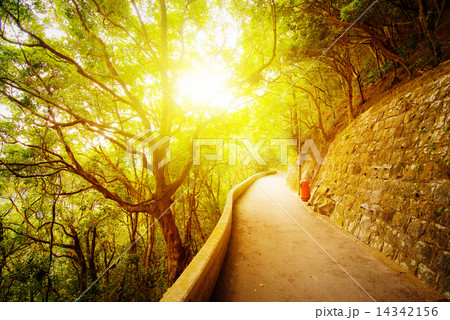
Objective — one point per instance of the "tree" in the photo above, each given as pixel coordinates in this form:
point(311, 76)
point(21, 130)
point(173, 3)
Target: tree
point(80, 91)
point(85, 79)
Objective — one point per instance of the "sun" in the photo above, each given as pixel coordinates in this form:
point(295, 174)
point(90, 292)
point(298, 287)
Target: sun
point(205, 88)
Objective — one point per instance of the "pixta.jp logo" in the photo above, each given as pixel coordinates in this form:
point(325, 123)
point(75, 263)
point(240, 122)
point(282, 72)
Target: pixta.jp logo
point(145, 144)
point(252, 151)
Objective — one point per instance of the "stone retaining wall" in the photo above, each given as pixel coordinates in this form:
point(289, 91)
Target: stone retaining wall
point(386, 178)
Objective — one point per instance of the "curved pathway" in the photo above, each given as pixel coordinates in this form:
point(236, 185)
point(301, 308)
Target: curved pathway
point(280, 251)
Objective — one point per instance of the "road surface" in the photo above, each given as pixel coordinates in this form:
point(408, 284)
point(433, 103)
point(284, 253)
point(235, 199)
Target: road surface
point(280, 251)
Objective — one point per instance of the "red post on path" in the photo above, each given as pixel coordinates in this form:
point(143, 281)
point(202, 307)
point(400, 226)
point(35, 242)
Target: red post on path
point(305, 193)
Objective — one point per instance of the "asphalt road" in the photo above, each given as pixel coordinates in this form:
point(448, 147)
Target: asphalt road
point(280, 251)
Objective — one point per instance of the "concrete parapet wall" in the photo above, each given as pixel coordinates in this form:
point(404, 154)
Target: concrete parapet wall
point(197, 281)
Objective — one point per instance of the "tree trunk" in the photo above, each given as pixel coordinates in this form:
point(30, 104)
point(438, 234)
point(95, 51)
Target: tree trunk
point(358, 77)
point(134, 219)
point(80, 260)
point(319, 113)
point(440, 10)
point(2, 253)
point(426, 29)
point(174, 246)
point(151, 241)
point(49, 283)
point(351, 115)
point(378, 63)
point(91, 254)
point(199, 227)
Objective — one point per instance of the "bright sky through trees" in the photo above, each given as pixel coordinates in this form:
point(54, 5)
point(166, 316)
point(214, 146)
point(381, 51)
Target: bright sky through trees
point(207, 84)
point(204, 87)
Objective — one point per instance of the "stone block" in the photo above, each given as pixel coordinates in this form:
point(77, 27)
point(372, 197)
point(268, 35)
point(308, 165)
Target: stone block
point(367, 207)
point(437, 234)
point(376, 243)
point(416, 228)
point(356, 169)
point(345, 225)
point(400, 220)
point(398, 132)
point(399, 119)
point(404, 242)
point(379, 116)
point(440, 121)
point(378, 126)
point(443, 285)
point(425, 172)
point(388, 250)
point(351, 225)
point(437, 135)
point(377, 184)
point(389, 144)
point(425, 190)
point(442, 263)
point(442, 193)
point(428, 122)
point(410, 190)
point(363, 235)
point(422, 141)
point(410, 155)
point(402, 143)
point(365, 223)
point(388, 123)
point(397, 202)
point(382, 172)
point(375, 197)
point(439, 154)
point(397, 156)
point(317, 193)
point(340, 208)
point(413, 208)
point(410, 173)
point(443, 215)
point(426, 274)
point(387, 215)
point(435, 94)
point(423, 252)
point(406, 262)
point(410, 115)
point(396, 171)
point(428, 210)
point(386, 135)
point(339, 219)
point(411, 128)
point(325, 206)
point(362, 147)
point(390, 235)
point(370, 148)
point(349, 200)
point(445, 106)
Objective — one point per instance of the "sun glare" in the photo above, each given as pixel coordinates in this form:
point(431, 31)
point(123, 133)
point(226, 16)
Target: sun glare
point(205, 88)
point(4, 110)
